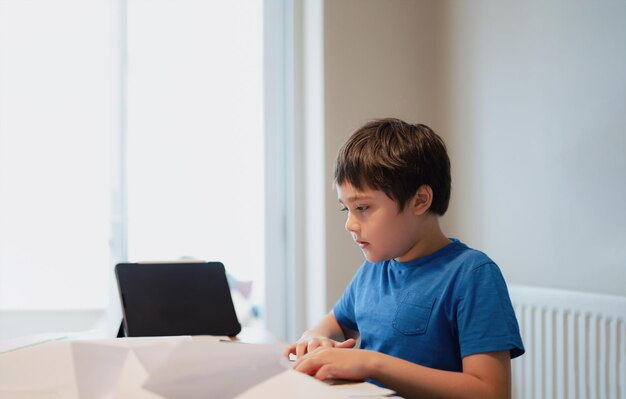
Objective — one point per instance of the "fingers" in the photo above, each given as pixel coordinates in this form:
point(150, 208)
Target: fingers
point(348, 343)
point(314, 367)
point(306, 365)
point(305, 346)
point(309, 345)
point(301, 348)
point(335, 363)
point(324, 373)
point(315, 343)
point(289, 349)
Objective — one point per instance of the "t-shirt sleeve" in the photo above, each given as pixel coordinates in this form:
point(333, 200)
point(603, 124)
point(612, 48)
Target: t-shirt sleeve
point(485, 317)
point(344, 308)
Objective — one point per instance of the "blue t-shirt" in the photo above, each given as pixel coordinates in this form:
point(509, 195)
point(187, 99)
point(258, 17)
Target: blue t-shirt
point(434, 310)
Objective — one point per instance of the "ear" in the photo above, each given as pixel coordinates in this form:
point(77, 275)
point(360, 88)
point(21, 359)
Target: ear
point(421, 201)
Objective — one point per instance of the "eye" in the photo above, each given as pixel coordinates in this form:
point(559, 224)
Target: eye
point(362, 208)
point(344, 209)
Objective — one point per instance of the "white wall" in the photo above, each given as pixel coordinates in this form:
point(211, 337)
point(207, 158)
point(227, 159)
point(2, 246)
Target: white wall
point(530, 97)
point(378, 61)
point(533, 106)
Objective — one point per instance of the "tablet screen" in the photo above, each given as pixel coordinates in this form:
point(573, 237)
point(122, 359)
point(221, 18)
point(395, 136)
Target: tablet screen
point(163, 299)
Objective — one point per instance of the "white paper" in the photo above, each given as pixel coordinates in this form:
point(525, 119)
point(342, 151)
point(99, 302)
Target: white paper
point(133, 376)
point(41, 370)
point(361, 390)
point(97, 368)
point(119, 367)
point(80, 369)
point(152, 357)
point(160, 367)
point(291, 384)
point(223, 369)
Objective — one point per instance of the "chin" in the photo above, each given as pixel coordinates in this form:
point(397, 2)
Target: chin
point(374, 259)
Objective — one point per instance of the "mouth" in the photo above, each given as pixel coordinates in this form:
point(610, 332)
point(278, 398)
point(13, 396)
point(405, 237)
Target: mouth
point(362, 244)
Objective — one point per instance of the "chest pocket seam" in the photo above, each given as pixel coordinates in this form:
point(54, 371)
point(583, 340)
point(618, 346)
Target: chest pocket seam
point(413, 314)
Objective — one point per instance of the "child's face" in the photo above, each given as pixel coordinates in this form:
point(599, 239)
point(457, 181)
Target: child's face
point(376, 224)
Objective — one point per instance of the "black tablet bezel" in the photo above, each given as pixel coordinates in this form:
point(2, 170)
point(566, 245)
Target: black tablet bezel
point(165, 299)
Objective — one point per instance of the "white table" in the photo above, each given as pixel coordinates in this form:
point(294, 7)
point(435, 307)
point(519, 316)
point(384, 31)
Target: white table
point(162, 367)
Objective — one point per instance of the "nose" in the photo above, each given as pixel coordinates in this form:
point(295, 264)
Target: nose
point(352, 225)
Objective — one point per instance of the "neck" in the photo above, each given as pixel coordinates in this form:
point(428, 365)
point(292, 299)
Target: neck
point(430, 240)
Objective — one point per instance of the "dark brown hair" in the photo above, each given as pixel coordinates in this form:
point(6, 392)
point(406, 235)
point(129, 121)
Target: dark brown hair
point(397, 158)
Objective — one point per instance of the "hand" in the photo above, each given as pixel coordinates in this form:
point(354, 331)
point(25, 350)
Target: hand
point(309, 344)
point(337, 363)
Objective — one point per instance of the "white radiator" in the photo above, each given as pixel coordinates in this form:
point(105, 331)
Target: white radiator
point(575, 344)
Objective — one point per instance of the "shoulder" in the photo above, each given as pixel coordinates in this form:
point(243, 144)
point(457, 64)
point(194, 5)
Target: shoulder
point(463, 260)
point(478, 277)
point(469, 257)
point(472, 268)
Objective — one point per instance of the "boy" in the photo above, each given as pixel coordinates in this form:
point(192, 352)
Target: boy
point(434, 316)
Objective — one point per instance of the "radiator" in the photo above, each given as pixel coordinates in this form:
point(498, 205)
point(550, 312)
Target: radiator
point(575, 344)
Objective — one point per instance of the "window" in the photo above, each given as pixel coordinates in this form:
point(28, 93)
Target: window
point(190, 164)
point(195, 133)
point(55, 157)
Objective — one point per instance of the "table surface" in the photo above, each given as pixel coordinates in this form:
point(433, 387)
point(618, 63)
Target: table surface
point(37, 356)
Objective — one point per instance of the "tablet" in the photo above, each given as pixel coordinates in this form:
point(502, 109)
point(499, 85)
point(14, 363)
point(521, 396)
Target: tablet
point(163, 299)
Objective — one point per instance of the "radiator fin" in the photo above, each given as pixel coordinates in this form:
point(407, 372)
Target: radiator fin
point(575, 345)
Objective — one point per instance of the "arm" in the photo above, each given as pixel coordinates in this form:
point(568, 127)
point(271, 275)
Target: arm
point(327, 333)
point(485, 375)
